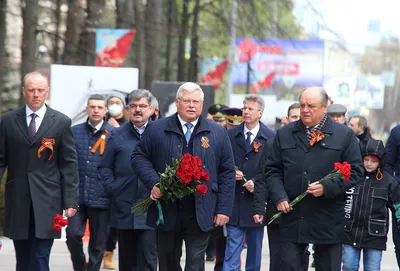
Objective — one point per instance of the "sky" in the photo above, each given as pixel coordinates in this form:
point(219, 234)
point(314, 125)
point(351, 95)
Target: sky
point(349, 19)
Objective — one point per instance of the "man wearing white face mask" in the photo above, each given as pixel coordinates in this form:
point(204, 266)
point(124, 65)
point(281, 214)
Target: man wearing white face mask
point(116, 105)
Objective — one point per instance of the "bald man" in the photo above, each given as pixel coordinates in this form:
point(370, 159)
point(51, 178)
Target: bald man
point(294, 166)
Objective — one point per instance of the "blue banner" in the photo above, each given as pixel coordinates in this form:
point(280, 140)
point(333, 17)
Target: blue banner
point(298, 61)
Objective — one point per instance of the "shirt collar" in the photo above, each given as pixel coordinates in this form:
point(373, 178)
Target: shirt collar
point(194, 123)
point(98, 126)
point(141, 129)
point(40, 112)
point(253, 131)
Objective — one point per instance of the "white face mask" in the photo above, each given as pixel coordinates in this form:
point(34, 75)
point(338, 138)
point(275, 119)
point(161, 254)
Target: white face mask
point(115, 110)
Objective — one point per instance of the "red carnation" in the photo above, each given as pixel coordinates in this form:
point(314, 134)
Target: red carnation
point(58, 222)
point(201, 189)
point(205, 176)
point(344, 169)
point(197, 161)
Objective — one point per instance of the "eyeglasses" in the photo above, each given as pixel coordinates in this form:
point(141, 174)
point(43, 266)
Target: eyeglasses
point(187, 102)
point(141, 106)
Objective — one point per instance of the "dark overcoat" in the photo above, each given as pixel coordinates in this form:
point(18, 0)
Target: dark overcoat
point(294, 164)
point(247, 161)
point(120, 181)
point(46, 186)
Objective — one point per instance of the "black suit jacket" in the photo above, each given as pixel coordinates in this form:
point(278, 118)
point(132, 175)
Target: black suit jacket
point(39, 184)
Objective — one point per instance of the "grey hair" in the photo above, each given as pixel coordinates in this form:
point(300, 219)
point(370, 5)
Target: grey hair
point(154, 102)
point(322, 92)
point(97, 97)
point(256, 99)
point(189, 87)
point(138, 94)
point(35, 73)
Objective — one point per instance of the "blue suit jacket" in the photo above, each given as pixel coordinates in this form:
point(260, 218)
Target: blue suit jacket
point(247, 161)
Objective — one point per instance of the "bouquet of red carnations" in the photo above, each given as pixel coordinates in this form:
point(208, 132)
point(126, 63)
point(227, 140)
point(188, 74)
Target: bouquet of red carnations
point(340, 170)
point(184, 177)
point(59, 222)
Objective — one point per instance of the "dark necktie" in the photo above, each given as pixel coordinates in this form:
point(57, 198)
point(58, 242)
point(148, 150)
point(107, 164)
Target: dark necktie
point(188, 133)
point(32, 125)
point(248, 140)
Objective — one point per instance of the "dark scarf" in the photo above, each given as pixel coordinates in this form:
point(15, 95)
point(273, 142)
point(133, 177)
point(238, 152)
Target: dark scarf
point(318, 127)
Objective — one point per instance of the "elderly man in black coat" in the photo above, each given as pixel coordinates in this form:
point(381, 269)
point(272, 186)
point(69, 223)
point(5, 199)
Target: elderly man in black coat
point(295, 166)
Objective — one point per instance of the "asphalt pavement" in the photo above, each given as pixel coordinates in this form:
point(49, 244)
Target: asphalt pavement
point(60, 257)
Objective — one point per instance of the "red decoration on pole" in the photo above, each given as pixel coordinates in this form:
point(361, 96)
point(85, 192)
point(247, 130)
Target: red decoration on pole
point(214, 76)
point(264, 83)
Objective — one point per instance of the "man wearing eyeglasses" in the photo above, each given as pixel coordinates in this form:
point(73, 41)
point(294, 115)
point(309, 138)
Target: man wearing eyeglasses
point(192, 218)
point(136, 241)
point(248, 141)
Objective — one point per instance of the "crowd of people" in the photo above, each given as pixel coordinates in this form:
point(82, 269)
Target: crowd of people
point(94, 172)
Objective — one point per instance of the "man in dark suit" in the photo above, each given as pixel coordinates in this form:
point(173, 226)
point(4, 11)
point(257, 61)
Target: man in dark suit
point(192, 218)
point(248, 141)
point(295, 165)
point(37, 147)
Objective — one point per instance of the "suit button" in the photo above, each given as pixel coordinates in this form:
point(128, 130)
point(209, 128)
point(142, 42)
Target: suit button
point(367, 177)
point(87, 162)
point(90, 147)
point(242, 193)
point(246, 158)
point(323, 144)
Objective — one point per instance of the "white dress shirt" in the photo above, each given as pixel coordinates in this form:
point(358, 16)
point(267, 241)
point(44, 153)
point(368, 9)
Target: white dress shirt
point(141, 129)
point(40, 115)
point(184, 128)
point(253, 132)
point(98, 126)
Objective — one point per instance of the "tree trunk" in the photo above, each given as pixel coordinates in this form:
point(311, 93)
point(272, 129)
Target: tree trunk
point(125, 16)
point(153, 33)
point(75, 18)
point(95, 10)
point(3, 53)
point(182, 38)
point(56, 45)
point(169, 39)
point(194, 56)
point(30, 15)
point(140, 49)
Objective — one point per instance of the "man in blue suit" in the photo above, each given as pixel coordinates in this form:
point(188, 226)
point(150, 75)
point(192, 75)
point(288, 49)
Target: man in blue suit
point(192, 218)
point(248, 141)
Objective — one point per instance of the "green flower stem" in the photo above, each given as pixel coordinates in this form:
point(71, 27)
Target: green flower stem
point(331, 175)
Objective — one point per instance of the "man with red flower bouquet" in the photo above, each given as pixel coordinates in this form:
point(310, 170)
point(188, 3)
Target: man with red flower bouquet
point(193, 217)
point(303, 153)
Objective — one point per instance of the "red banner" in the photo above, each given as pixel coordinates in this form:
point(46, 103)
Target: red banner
point(214, 76)
point(264, 83)
point(113, 46)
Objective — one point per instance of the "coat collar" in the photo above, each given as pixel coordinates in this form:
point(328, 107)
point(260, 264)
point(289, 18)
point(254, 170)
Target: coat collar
point(173, 125)
point(300, 133)
point(47, 122)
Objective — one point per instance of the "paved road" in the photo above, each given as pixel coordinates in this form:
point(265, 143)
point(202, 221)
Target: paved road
point(60, 260)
